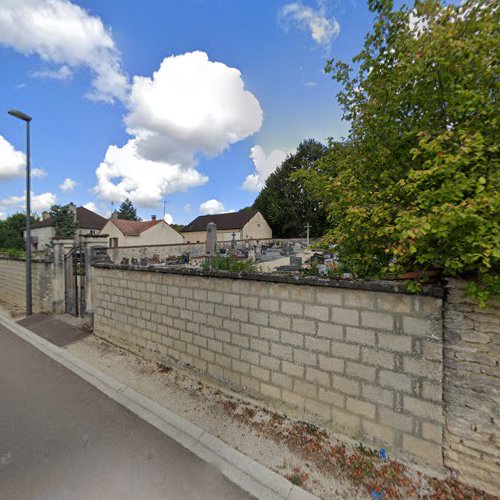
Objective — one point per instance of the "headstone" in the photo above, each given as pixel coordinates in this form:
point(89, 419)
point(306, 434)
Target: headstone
point(233, 241)
point(295, 261)
point(133, 261)
point(155, 259)
point(211, 243)
point(124, 261)
point(144, 261)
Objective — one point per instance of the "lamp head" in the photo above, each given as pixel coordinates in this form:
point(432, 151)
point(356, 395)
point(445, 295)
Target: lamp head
point(19, 114)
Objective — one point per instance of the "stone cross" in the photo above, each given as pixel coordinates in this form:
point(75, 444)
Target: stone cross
point(233, 241)
point(211, 242)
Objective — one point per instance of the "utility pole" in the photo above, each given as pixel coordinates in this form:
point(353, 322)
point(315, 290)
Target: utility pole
point(27, 119)
point(307, 228)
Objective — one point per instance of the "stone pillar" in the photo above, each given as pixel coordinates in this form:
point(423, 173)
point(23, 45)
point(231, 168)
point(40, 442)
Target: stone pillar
point(95, 251)
point(61, 247)
point(211, 241)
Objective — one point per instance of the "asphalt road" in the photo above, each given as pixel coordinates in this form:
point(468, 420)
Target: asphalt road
point(60, 438)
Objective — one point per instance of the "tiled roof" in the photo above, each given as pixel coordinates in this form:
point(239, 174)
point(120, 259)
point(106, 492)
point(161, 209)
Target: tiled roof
point(133, 227)
point(233, 220)
point(85, 218)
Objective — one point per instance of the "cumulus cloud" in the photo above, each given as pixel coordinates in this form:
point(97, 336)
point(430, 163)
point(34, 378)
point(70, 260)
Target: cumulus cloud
point(67, 185)
point(190, 107)
point(3, 215)
point(125, 174)
point(187, 207)
point(13, 162)
point(39, 202)
point(322, 28)
point(212, 206)
point(67, 36)
point(168, 219)
point(264, 167)
point(101, 209)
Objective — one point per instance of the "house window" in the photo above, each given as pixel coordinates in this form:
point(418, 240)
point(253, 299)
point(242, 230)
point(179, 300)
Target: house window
point(113, 242)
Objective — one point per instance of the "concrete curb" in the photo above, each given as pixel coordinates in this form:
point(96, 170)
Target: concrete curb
point(237, 467)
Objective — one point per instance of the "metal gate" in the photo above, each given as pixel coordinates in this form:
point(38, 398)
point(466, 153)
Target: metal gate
point(74, 279)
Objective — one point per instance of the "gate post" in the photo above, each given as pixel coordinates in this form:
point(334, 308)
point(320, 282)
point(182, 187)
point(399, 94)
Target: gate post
point(61, 246)
point(95, 248)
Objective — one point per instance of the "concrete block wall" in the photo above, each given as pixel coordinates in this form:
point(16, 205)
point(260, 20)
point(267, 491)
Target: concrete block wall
point(13, 283)
point(368, 363)
point(472, 389)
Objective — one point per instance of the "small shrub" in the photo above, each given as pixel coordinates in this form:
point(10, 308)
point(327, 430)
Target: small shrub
point(226, 263)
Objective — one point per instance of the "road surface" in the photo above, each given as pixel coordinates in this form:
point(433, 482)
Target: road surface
point(60, 438)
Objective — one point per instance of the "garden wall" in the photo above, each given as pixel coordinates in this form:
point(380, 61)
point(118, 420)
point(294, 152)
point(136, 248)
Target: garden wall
point(472, 389)
point(365, 359)
point(13, 283)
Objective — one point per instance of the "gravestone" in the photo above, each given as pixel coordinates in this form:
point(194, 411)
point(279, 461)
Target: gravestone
point(233, 241)
point(211, 242)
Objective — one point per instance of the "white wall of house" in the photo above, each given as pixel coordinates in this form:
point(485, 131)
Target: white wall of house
point(44, 236)
point(159, 234)
point(257, 228)
point(201, 236)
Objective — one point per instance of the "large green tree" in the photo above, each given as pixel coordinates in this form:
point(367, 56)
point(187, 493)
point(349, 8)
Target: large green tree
point(285, 204)
point(127, 211)
point(11, 232)
point(418, 185)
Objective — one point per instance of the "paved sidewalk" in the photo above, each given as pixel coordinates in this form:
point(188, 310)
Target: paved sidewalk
point(61, 438)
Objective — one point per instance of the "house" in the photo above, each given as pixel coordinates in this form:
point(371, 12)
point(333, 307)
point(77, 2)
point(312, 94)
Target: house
point(126, 233)
point(245, 224)
point(42, 232)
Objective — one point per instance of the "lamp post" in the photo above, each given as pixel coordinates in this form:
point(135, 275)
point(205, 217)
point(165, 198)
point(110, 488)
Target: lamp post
point(26, 118)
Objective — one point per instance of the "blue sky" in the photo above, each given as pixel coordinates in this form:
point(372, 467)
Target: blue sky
point(191, 133)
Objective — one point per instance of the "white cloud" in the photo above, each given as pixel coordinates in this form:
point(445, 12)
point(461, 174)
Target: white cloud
point(62, 73)
point(3, 215)
point(191, 106)
point(187, 207)
point(66, 35)
point(212, 207)
point(168, 219)
point(67, 185)
point(90, 206)
point(101, 209)
point(13, 162)
point(322, 29)
point(264, 167)
point(125, 174)
point(39, 202)
point(310, 83)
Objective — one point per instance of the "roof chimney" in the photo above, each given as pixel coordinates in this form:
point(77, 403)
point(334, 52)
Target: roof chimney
point(45, 215)
point(153, 217)
point(114, 215)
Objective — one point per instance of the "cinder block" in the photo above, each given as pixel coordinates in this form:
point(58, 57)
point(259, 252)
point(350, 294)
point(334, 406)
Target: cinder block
point(432, 432)
point(363, 408)
point(375, 394)
point(343, 350)
point(281, 351)
point(295, 339)
point(292, 398)
point(395, 419)
point(317, 344)
point(249, 356)
point(329, 296)
point(423, 368)
point(344, 316)
point(270, 391)
point(320, 313)
point(231, 299)
point(259, 318)
point(292, 308)
point(240, 340)
point(331, 331)
point(292, 369)
point(303, 326)
point(360, 370)
point(397, 343)
point(432, 391)
point(318, 408)
point(423, 409)
point(305, 388)
point(269, 305)
point(360, 336)
point(346, 421)
point(426, 451)
point(345, 385)
point(331, 364)
point(359, 299)
point(280, 322)
point(417, 326)
point(318, 377)
point(270, 362)
point(378, 358)
point(260, 373)
point(281, 380)
point(378, 320)
point(395, 302)
point(305, 357)
point(331, 397)
point(239, 314)
point(215, 345)
point(380, 433)
point(395, 380)
point(241, 366)
point(260, 345)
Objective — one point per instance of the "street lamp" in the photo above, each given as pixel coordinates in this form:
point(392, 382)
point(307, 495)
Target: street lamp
point(26, 118)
